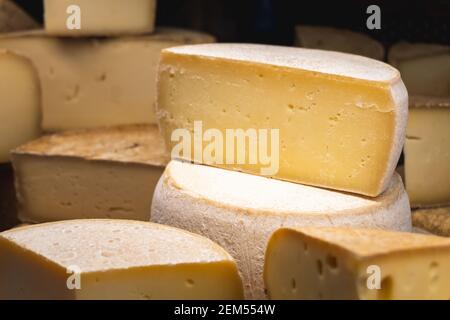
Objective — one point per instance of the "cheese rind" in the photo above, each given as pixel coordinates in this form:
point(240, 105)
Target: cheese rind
point(240, 211)
point(113, 259)
point(88, 83)
point(341, 124)
point(100, 17)
point(336, 263)
point(427, 152)
point(433, 220)
point(342, 40)
point(425, 68)
point(20, 103)
point(13, 18)
point(95, 173)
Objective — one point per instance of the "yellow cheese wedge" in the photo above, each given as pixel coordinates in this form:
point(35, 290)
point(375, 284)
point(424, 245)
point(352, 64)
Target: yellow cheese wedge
point(433, 220)
point(113, 259)
point(342, 40)
point(240, 211)
point(99, 17)
point(425, 68)
point(20, 103)
point(96, 173)
point(341, 263)
point(341, 118)
point(427, 152)
point(13, 18)
point(90, 82)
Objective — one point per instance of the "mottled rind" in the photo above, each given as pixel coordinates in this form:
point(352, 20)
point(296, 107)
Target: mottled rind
point(435, 220)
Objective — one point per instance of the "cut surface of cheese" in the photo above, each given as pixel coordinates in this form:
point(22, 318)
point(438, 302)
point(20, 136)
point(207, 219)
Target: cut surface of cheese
point(341, 118)
point(427, 152)
point(94, 173)
point(239, 211)
point(339, 263)
point(13, 18)
point(20, 103)
point(342, 40)
point(113, 259)
point(99, 17)
point(433, 220)
point(92, 82)
point(425, 68)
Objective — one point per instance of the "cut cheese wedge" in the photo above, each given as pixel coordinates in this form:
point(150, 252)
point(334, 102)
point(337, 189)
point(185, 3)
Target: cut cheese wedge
point(88, 83)
point(342, 40)
point(433, 220)
point(240, 211)
point(425, 68)
point(427, 152)
point(99, 17)
point(340, 118)
point(96, 173)
point(20, 103)
point(113, 259)
point(342, 263)
point(13, 18)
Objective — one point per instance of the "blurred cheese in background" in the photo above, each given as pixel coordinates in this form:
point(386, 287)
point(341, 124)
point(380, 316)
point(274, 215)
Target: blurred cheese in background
point(14, 18)
point(240, 211)
point(342, 40)
point(341, 117)
point(425, 68)
point(427, 152)
point(91, 82)
point(433, 220)
point(334, 263)
point(113, 259)
point(101, 17)
point(97, 173)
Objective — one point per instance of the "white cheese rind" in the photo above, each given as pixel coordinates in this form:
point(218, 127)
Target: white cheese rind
point(240, 211)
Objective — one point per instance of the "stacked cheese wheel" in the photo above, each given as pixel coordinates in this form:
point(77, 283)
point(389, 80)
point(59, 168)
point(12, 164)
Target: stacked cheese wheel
point(282, 181)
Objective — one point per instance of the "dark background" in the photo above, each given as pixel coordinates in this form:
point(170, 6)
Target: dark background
point(273, 21)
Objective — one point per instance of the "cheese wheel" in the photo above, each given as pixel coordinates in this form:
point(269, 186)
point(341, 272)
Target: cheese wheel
point(240, 211)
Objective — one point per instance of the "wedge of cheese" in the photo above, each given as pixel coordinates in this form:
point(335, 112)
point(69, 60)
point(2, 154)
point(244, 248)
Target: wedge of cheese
point(240, 211)
point(340, 118)
point(13, 18)
point(96, 173)
point(341, 263)
point(433, 220)
point(342, 40)
point(20, 103)
point(8, 210)
point(425, 68)
point(113, 259)
point(99, 17)
point(427, 152)
point(97, 82)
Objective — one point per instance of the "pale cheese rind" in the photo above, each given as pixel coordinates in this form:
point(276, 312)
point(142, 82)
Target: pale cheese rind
point(339, 263)
point(240, 211)
point(96, 173)
point(341, 117)
point(114, 259)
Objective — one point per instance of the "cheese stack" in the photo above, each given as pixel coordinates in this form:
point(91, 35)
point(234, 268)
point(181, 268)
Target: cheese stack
point(342, 263)
point(425, 69)
point(113, 259)
point(240, 211)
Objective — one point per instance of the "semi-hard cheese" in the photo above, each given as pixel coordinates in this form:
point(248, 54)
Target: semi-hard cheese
point(427, 152)
point(97, 82)
point(425, 68)
point(342, 263)
point(433, 220)
point(342, 40)
point(113, 259)
point(99, 17)
point(13, 18)
point(20, 103)
point(95, 173)
point(239, 211)
point(340, 118)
